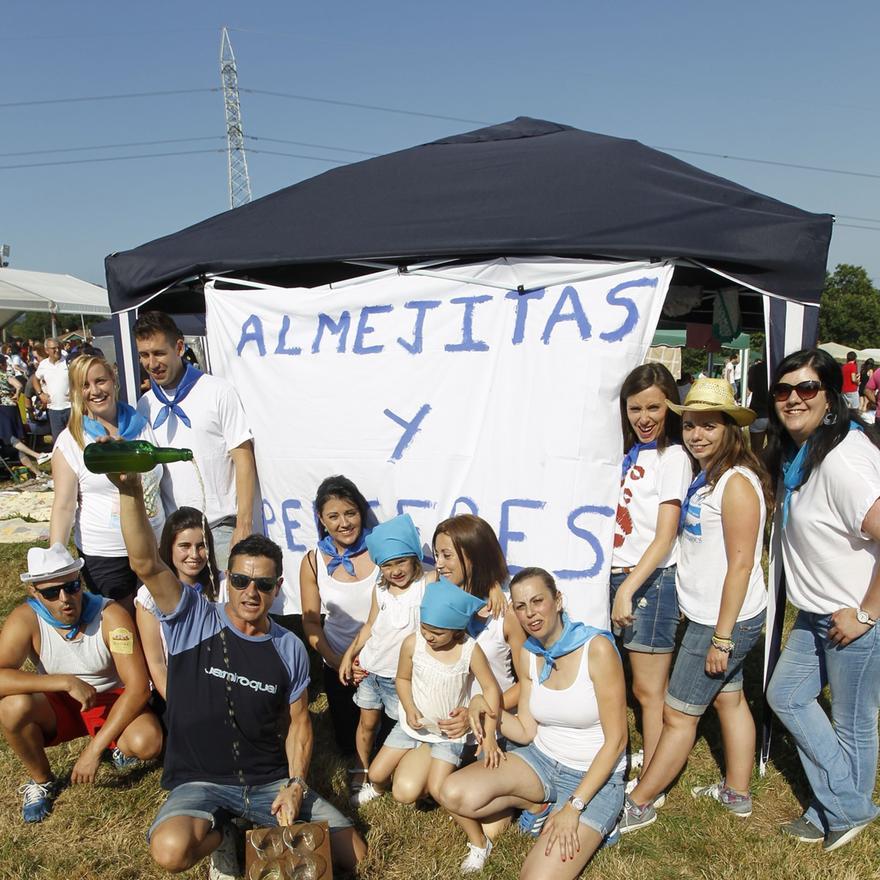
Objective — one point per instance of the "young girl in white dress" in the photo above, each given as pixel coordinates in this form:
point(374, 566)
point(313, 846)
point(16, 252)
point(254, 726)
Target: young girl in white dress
point(437, 665)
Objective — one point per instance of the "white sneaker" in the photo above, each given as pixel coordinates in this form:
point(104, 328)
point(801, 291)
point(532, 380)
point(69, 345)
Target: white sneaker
point(43, 457)
point(636, 759)
point(658, 801)
point(363, 794)
point(224, 864)
point(476, 858)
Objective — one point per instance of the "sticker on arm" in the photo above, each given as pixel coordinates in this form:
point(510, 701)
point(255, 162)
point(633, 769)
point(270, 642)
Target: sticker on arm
point(121, 640)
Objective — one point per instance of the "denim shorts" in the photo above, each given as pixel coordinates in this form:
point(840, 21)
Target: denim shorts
point(655, 609)
point(560, 781)
point(690, 689)
point(378, 692)
point(449, 751)
point(207, 800)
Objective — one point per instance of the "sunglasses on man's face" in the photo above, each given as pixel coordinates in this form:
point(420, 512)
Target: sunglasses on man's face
point(242, 582)
point(781, 391)
point(52, 593)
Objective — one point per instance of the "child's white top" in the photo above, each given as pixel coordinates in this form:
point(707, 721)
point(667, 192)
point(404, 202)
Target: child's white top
point(438, 688)
point(398, 617)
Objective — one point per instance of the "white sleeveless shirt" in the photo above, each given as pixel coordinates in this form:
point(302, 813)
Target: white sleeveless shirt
point(346, 604)
point(493, 644)
point(569, 729)
point(86, 657)
point(438, 688)
point(398, 617)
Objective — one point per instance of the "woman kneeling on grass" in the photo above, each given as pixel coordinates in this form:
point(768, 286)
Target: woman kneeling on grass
point(572, 714)
point(722, 594)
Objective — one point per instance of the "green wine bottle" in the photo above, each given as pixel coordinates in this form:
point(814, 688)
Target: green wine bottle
point(130, 456)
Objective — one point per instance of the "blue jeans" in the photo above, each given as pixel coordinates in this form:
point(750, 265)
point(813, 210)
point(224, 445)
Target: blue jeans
point(838, 754)
point(655, 612)
point(560, 781)
point(57, 421)
point(212, 802)
point(690, 689)
point(378, 692)
point(222, 535)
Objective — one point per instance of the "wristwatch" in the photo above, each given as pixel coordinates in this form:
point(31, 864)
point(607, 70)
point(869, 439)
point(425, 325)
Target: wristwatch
point(577, 803)
point(297, 780)
point(864, 618)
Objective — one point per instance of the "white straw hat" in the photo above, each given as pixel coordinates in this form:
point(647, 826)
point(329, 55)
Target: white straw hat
point(714, 395)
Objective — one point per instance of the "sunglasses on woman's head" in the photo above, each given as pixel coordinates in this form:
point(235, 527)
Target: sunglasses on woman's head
point(781, 391)
point(52, 593)
point(242, 582)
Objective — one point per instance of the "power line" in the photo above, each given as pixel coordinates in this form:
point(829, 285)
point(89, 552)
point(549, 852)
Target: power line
point(215, 137)
point(362, 106)
point(108, 159)
point(253, 137)
point(82, 98)
point(299, 156)
point(771, 162)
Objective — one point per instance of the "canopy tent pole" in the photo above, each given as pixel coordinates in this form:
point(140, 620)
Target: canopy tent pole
point(126, 356)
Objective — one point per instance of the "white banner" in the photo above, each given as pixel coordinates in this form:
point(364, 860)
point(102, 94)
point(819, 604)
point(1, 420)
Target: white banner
point(440, 396)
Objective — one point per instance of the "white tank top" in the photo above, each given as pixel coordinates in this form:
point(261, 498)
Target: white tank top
point(398, 617)
point(569, 730)
point(86, 657)
point(493, 644)
point(346, 604)
point(438, 688)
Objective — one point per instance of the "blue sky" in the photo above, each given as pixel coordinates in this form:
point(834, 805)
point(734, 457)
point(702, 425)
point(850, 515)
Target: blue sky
point(789, 82)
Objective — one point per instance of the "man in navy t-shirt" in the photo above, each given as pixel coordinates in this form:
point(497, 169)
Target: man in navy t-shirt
point(239, 733)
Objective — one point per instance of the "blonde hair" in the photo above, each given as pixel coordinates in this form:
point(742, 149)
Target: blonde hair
point(418, 572)
point(78, 372)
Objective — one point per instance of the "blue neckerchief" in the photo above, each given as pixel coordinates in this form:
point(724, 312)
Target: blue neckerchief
point(129, 423)
point(91, 607)
point(328, 545)
point(793, 472)
point(573, 636)
point(695, 486)
point(633, 456)
point(187, 382)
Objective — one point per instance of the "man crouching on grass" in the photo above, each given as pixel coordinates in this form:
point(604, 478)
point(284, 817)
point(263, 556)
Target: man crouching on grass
point(90, 679)
point(239, 733)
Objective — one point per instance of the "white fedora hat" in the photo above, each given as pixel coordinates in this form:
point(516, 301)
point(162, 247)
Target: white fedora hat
point(51, 564)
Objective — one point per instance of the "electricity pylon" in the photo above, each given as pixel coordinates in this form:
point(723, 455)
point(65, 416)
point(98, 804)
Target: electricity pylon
point(239, 182)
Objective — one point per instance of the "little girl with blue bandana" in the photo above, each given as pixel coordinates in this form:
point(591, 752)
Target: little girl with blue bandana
point(394, 614)
point(437, 666)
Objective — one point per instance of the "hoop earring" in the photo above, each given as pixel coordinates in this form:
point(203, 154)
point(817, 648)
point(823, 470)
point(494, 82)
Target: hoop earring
point(830, 418)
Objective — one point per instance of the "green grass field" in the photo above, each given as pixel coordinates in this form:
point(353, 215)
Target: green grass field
point(98, 831)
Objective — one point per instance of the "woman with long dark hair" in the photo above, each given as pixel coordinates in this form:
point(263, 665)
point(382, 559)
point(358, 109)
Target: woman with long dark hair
point(655, 475)
point(338, 577)
point(828, 462)
point(722, 595)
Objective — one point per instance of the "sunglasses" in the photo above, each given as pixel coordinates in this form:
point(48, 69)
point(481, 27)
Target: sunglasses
point(243, 581)
point(781, 391)
point(52, 593)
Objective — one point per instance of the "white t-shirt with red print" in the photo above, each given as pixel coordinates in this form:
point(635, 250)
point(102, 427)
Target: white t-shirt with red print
point(656, 477)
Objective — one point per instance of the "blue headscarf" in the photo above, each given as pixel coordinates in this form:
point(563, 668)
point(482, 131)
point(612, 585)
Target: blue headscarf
point(394, 539)
point(793, 472)
point(447, 606)
point(90, 609)
point(129, 423)
point(328, 546)
point(573, 636)
point(633, 456)
point(187, 382)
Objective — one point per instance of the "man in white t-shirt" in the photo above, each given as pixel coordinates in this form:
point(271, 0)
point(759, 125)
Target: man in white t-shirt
point(53, 387)
point(201, 412)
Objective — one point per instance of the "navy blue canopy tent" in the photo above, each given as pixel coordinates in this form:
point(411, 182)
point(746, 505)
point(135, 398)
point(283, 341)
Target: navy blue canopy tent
point(526, 187)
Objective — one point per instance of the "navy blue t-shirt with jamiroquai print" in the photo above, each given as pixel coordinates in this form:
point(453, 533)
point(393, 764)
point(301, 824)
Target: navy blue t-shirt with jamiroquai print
point(229, 696)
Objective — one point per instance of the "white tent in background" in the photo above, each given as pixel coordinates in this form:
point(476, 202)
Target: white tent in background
point(836, 350)
point(865, 353)
point(24, 291)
